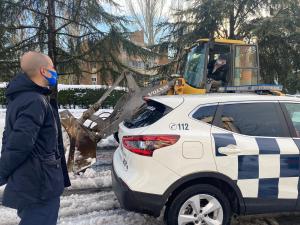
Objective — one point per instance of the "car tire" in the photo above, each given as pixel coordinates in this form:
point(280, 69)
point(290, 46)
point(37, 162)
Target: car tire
point(183, 211)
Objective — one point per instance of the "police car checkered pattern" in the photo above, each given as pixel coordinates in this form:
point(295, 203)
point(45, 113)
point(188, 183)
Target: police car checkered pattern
point(266, 168)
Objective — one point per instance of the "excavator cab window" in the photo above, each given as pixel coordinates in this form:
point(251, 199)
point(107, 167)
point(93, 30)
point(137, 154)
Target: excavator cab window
point(195, 66)
point(246, 65)
point(211, 65)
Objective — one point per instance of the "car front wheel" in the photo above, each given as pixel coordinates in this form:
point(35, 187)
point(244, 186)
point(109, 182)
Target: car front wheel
point(199, 205)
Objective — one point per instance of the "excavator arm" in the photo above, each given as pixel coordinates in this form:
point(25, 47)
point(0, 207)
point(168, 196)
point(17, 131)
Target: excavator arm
point(84, 138)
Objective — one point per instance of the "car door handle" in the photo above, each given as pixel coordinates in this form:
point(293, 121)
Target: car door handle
point(229, 150)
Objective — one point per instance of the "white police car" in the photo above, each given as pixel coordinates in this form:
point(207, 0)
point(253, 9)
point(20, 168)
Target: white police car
point(206, 157)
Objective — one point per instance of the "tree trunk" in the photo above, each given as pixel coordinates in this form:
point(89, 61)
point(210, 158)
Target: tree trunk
point(231, 22)
point(51, 31)
point(52, 40)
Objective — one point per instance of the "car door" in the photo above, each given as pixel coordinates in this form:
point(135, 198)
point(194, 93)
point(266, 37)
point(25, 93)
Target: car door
point(253, 146)
point(292, 114)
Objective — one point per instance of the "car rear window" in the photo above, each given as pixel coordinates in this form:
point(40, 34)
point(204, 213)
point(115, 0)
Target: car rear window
point(148, 114)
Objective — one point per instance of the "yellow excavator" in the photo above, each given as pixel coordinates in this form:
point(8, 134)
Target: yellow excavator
point(218, 65)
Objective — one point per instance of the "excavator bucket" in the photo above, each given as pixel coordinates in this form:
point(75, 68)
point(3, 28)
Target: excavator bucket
point(82, 149)
point(84, 138)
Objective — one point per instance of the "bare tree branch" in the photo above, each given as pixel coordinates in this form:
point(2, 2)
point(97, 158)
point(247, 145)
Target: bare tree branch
point(147, 14)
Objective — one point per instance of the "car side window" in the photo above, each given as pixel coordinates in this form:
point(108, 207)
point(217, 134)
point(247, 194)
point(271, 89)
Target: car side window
point(254, 119)
point(293, 110)
point(206, 113)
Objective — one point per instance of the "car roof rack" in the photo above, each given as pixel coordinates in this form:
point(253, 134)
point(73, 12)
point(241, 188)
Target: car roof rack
point(258, 89)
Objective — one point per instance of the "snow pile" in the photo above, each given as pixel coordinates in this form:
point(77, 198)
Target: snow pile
point(3, 84)
point(8, 216)
point(90, 179)
point(67, 87)
point(109, 142)
point(99, 209)
point(89, 209)
point(80, 86)
point(74, 205)
point(1, 191)
point(111, 217)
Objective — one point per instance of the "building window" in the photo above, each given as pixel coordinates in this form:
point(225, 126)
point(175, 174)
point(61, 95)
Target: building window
point(94, 80)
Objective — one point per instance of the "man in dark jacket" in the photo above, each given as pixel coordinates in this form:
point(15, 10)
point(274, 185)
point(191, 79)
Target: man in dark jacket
point(32, 162)
point(218, 70)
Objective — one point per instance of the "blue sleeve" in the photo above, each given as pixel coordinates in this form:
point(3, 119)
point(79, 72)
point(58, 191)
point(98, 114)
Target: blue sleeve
point(22, 138)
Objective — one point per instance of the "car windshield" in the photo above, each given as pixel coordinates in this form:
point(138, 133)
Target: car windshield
point(194, 70)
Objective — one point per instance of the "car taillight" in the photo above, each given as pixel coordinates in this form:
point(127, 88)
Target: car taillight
point(146, 144)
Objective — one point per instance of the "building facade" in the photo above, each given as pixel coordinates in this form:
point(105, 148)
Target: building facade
point(94, 75)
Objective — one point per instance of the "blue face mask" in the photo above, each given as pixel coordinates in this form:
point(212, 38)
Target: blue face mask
point(53, 79)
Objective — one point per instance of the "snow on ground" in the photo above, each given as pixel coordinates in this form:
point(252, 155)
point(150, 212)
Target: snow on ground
point(67, 86)
point(3, 84)
point(108, 142)
point(89, 209)
point(90, 179)
point(97, 209)
point(8, 216)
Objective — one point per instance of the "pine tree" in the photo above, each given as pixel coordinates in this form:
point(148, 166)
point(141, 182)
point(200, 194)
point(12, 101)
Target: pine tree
point(71, 32)
point(278, 37)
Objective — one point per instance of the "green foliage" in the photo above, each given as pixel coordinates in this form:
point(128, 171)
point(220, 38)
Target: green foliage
point(75, 34)
point(278, 37)
point(273, 24)
point(213, 19)
point(292, 83)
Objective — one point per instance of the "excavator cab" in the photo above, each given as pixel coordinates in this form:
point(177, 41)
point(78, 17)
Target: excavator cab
point(220, 63)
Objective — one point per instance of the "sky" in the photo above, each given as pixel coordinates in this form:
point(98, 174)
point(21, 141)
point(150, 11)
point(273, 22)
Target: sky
point(170, 6)
point(122, 3)
point(166, 13)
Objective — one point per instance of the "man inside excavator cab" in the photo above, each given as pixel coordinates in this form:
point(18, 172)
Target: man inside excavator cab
point(218, 69)
point(217, 72)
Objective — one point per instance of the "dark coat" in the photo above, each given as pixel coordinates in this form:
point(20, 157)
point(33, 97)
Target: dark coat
point(32, 156)
point(221, 74)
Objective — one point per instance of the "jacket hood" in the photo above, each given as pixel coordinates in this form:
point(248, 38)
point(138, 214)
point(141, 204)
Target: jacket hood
point(22, 83)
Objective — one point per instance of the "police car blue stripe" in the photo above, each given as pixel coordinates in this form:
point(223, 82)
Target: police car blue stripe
point(222, 140)
point(267, 146)
point(268, 188)
point(297, 142)
point(248, 167)
point(289, 165)
point(275, 186)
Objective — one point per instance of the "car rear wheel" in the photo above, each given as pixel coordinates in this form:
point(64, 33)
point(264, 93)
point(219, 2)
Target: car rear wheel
point(199, 205)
